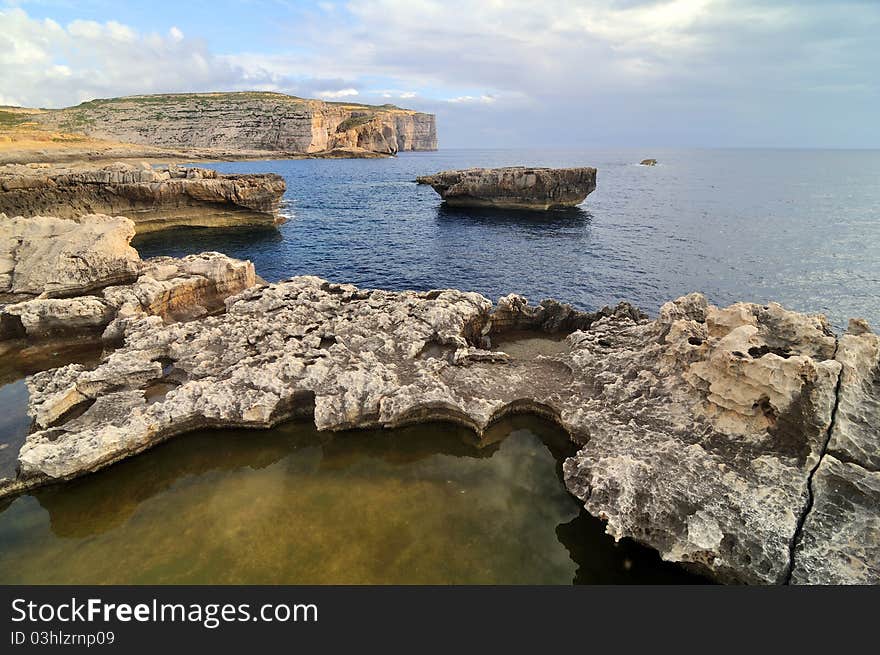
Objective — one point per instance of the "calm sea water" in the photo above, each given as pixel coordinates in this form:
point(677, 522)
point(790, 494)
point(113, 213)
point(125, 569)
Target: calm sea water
point(422, 504)
point(798, 226)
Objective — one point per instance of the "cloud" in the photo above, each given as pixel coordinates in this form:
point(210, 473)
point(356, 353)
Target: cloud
point(667, 72)
point(518, 72)
point(334, 95)
point(484, 99)
point(45, 64)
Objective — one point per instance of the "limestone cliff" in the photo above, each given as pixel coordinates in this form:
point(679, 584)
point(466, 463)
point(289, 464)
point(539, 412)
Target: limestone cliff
point(247, 121)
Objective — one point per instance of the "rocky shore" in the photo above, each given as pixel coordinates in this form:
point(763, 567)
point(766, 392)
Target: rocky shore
point(154, 198)
point(514, 187)
point(64, 279)
point(739, 441)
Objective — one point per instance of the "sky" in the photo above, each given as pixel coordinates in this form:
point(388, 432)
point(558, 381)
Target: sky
point(498, 73)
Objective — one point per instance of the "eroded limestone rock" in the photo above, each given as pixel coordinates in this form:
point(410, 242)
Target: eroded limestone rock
point(52, 257)
point(841, 534)
point(840, 540)
point(153, 198)
point(856, 434)
point(703, 428)
point(515, 187)
point(699, 431)
point(83, 261)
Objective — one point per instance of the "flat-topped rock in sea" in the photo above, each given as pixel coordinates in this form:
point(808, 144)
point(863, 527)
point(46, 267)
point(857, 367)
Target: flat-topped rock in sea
point(699, 432)
point(515, 187)
point(154, 198)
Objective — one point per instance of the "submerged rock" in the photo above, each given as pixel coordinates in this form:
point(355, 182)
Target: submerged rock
point(153, 198)
point(699, 431)
point(515, 187)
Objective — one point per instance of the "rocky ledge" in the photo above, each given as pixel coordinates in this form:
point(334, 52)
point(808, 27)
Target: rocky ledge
point(515, 187)
point(741, 442)
point(81, 279)
point(153, 198)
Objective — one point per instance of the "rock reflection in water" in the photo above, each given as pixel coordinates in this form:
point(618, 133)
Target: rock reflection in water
point(14, 366)
point(424, 504)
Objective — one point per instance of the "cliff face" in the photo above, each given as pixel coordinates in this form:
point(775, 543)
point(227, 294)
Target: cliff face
point(248, 121)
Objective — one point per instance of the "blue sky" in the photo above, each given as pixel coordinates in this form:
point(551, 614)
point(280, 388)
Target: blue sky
point(498, 73)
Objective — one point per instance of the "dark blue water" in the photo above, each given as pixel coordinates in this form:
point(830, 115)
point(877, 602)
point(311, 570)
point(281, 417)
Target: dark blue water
point(798, 226)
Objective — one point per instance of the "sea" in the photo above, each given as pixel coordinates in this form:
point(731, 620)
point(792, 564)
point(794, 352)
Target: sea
point(799, 227)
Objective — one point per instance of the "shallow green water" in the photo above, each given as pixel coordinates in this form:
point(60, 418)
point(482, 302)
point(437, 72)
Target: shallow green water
point(14, 366)
point(417, 505)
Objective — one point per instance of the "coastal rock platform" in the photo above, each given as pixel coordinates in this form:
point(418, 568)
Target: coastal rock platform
point(154, 198)
point(705, 433)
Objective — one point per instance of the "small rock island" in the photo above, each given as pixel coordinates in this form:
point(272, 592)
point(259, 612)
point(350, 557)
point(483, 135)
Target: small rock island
point(648, 162)
point(513, 187)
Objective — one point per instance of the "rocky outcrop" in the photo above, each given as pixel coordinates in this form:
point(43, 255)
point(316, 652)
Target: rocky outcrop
point(648, 162)
point(840, 541)
point(64, 280)
point(516, 187)
point(153, 198)
point(700, 431)
point(703, 429)
point(53, 257)
point(247, 121)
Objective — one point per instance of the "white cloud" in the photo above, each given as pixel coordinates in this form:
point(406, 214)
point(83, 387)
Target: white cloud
point(483, 99)
point(392, 93)
point(175, 33)
point(45, 64)
point(340, 93)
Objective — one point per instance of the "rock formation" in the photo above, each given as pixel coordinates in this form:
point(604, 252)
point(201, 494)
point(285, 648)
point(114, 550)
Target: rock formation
point(247, 121)
point(840, 543)
point(648, 162)
point(66, 279)
point(53, 257)
point(704, 427)
point(516, 187)
point(703, 433)
point(153, 198)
